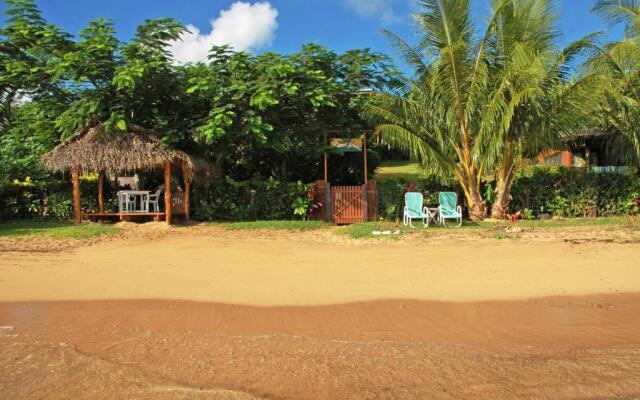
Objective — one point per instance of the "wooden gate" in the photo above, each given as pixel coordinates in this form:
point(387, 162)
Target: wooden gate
point(349, 204)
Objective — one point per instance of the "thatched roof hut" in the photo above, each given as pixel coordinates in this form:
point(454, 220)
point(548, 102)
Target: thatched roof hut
point(94, 149)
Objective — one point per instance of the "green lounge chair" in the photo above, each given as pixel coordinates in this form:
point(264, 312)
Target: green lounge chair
point(414, 209)
point(449, 208)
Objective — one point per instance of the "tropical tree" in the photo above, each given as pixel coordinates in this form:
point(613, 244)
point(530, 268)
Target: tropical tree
point(256, 115)
point(272, 112)
point(544, 94)
point(481, 100)
point(619, 63)
point(436, 115)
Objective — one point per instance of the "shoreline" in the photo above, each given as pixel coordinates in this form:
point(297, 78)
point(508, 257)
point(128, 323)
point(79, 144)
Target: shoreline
point(557, 320)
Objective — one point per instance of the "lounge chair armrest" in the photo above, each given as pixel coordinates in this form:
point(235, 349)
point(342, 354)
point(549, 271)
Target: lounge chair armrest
point(459, 209)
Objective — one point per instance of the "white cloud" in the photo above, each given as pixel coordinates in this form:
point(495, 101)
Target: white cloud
point(244, 26)
point(382, 9)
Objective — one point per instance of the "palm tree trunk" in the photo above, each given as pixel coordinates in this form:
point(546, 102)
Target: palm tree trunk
point(503, 189)
point(476, 204)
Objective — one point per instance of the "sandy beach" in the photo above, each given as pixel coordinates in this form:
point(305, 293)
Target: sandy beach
point(203, 315)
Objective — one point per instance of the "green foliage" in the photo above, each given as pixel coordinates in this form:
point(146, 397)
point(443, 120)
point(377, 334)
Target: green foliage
point(618, 63)
point(561, 192)
point(47, 199)
point(571, 192)
point(255, 199)
point(22, 145)
point(273, 112)
point(255, 116)
point(61, 206)
point(481, 98)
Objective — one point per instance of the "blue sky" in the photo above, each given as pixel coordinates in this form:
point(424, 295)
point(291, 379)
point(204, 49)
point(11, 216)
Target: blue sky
point(284, 25)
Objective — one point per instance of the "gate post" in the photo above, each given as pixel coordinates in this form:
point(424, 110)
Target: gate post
point(365, 203)
point(372, 200)
point(328, 203)
point(321, 189)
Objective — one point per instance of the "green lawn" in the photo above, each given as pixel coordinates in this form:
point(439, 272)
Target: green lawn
point(54, 229)
point(407, 170)
point(364, 230)
point(276, 225)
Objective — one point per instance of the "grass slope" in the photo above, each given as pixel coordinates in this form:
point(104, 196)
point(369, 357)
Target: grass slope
point(276, 225)
point(54, 229)
point(407, 170)
point(364, 230)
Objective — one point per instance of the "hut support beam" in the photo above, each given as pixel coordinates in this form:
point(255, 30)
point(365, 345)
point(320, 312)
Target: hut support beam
point(75, 175)
point(167, 192)
point(101, 192)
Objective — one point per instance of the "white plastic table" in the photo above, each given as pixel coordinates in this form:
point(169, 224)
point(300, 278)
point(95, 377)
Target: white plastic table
point(133, 201)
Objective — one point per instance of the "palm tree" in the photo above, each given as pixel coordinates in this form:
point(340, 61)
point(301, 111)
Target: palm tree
point(619, 62)
point(547, 97)
point(477, 103)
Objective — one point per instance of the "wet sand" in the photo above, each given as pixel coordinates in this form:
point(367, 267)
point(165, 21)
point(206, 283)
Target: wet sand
point(301, 319)
point(554, 348)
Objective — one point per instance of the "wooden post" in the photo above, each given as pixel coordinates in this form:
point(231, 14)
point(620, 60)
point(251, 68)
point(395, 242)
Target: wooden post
point(101, 192)
point(167, 192)
point(326, 167)
point(329, 202)
point(365, 203)
point(187, 191)
point(75, 175)
point(372, 200)
point(326, 161)
point(366, 165)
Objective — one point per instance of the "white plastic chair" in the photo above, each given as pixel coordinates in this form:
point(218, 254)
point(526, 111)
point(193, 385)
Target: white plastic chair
point(153, 201)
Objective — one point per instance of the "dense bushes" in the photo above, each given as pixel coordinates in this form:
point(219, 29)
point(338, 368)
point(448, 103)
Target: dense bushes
point(573, 192)
point(255, 199)
point(562, 192)
point(51, 200)
point(223, 200)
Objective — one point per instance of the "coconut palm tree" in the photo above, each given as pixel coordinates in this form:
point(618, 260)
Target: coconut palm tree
point(619, 62)
point(477, 101)
point(549, 98)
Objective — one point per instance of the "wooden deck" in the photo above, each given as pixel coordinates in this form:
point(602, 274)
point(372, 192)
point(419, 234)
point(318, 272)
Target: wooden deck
point(157, 216)
point(178, 207)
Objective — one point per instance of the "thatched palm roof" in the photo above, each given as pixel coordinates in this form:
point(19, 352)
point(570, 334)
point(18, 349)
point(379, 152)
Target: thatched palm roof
point(94, 149)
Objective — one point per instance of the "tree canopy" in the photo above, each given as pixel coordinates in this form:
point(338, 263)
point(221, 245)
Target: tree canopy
point(255, 115)
point(481, 99)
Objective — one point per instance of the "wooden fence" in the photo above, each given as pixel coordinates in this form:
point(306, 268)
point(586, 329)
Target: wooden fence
point(177, 202)
point(347, 204)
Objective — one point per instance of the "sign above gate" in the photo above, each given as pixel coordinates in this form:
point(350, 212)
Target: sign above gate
point(347, 145)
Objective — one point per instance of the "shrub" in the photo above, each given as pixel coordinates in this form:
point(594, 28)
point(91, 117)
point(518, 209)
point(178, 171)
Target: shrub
point(562, 192)
point(267, 199)
point(574, 192)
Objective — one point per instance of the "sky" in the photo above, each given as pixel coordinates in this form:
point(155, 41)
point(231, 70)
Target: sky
point(284, 25)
